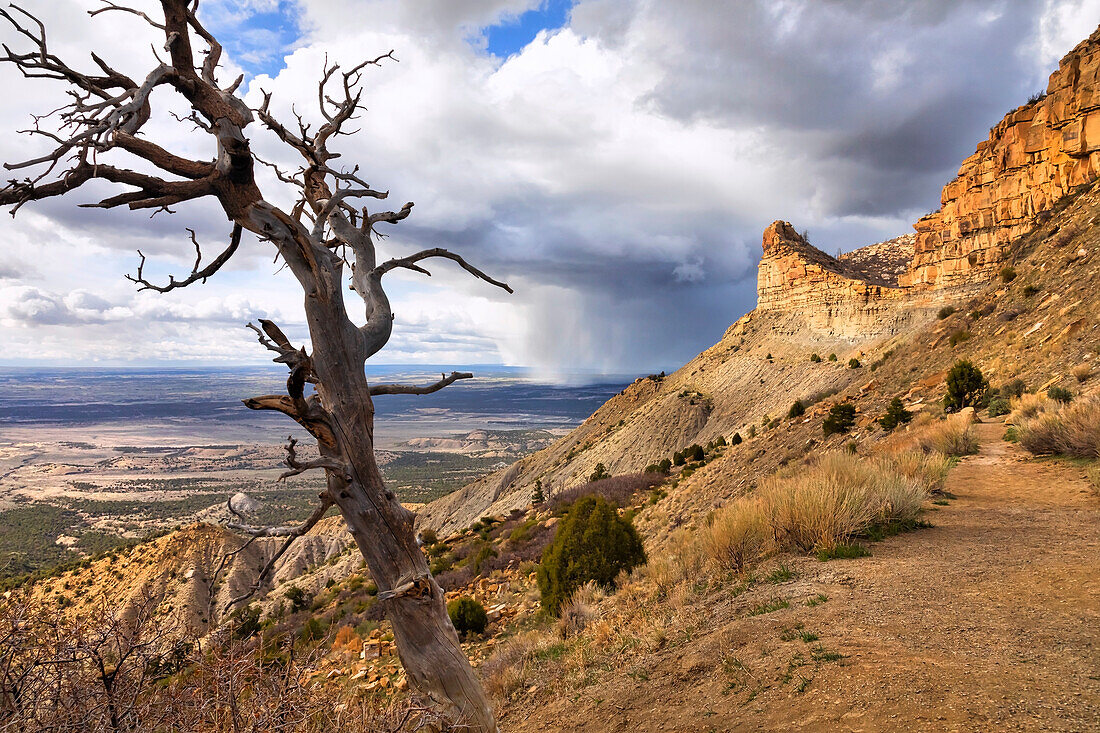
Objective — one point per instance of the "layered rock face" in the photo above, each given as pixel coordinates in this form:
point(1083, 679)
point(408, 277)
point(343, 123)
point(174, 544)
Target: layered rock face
point(1033, 158)
point(856, 295)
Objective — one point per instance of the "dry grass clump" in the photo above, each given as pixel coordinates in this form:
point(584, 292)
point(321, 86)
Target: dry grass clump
point(1073, 430)
point(516, 662)
point(1027, 406)
point(1082, 372)
point(951, 437)
point(930, 468)
point(818, 507)
point(738, 535)
point(1094, 477)
point(580, 610)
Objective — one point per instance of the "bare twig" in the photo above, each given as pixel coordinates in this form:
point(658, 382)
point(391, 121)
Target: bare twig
point(196, 274)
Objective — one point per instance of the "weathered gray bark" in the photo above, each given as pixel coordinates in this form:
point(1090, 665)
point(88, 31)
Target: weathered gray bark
point(109, 111)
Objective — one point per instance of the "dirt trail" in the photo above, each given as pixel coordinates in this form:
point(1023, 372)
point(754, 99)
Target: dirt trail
point(988, 621)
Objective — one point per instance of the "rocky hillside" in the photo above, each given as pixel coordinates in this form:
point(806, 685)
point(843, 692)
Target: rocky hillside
point(183, 573)
point(1036, 162)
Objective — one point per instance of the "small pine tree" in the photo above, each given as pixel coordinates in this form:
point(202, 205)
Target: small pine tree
point(665, 465)
point(467, 615)
point(1059, 394)
point(832, 357)
point(677, 458)
point(599, 473)
point(736, 439)
point(537, 497)
point(815, 358)
point(896, 414)
point(966, 387)
point(696, 453)
point(593, 543)
point(853, 363)
point(721, 441)
point(797, 410)
point(298, 598)
point(840, 420)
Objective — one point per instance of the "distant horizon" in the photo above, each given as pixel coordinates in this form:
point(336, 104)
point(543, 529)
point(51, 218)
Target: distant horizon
point(376, 369)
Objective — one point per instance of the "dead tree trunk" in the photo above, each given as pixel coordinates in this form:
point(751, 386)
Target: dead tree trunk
point(320, 233)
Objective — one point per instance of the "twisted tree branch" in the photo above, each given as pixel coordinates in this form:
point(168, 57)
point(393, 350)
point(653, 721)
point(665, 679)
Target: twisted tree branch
point(378, 389)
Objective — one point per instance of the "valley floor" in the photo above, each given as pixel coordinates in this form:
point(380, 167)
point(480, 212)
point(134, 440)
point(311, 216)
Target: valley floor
point(990, 620)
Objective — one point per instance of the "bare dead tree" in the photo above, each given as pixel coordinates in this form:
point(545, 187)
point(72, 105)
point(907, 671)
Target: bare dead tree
point(99, 135)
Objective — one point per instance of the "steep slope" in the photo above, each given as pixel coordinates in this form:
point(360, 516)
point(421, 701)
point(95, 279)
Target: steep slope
point(989, 620)
point(183, 575)
point(1008, 196)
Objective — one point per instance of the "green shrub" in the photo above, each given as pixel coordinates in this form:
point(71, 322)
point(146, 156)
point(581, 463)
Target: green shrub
point(840, 420)
point(695, 453)
point(966, 387)
point(593, 543)
point(677, 458)
point(752, 431)
point(298, 598)
point(599, 473)
point(853, 363)
point(896, 414)
point(946, 311)
point(797, 410)
point(815, 358)
point(1059, 394)
point(665, 465)
point(999, 406)
point(720, 441)
point(537, 496)
point(467, 615)
point(832, 357)
point(1030, 290)
point(428, 537)
point(736, 439)
point(1013, 388)
point(1008, 274)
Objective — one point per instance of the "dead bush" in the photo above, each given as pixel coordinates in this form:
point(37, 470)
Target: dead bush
point(1082, 372)
point(617, 489)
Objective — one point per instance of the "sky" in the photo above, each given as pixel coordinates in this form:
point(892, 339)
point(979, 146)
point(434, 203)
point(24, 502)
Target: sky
point(615, 161)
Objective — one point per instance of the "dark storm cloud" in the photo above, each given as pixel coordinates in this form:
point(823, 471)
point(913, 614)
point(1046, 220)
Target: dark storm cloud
point(896, 89)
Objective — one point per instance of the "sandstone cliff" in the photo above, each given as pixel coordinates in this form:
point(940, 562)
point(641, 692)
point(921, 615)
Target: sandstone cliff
point(1034, 157)
point(856, 296)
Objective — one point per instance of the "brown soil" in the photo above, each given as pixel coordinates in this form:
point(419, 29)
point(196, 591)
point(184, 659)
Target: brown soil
point(990, 620)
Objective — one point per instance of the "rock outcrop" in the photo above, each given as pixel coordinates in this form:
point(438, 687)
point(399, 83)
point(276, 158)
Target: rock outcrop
point(1036, 156)
point(853, 296)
